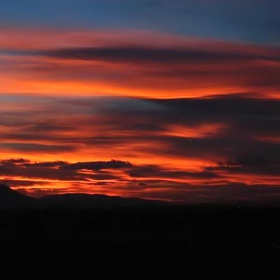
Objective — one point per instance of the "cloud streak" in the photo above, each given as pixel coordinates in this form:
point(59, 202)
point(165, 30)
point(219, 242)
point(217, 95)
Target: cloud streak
point(141, 64)
point(144, 55)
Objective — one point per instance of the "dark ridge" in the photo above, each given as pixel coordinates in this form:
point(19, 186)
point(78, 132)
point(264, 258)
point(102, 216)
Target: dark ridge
point(11, 199)
point(112, 229)
point(95, 201)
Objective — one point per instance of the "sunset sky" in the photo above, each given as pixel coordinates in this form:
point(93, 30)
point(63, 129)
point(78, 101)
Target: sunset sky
point(158, 99)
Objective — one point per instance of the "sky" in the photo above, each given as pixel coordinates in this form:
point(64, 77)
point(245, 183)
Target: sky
point(171, 100)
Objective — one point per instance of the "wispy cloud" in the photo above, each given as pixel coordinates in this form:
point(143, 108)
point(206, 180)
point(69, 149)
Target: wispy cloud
point(133, 64)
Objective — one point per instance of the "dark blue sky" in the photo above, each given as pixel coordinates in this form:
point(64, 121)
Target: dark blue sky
point(248, 20)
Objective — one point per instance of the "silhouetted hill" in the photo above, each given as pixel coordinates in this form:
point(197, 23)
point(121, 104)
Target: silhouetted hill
point(89, 201)
point(10, 199)
point(210, 235)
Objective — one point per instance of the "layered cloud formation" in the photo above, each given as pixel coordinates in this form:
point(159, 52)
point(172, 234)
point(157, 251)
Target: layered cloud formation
point(139, 114)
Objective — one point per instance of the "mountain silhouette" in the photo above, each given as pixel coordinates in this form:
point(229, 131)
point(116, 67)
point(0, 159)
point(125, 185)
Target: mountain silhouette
point(83, 201)
point(204, 235)
point(11, 199)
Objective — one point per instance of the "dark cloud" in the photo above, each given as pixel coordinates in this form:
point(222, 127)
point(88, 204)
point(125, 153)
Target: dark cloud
point(103, 177)
point(21, 183)
point(249, 113)
point(158, 55)
point(230, 104)
point(61, 170)
point(98, 165)
point(182, 65)
point(264, 164)
point(216, 147)
point(47, 127)
point(15, 161)
point(146, 171)
point(51, 164)
point(36, 171)
point(100, 171)
point(249, 116)
point(34, 147)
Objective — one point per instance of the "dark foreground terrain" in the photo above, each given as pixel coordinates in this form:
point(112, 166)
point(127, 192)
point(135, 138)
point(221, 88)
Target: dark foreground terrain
point(101, 236)
point(205, 239)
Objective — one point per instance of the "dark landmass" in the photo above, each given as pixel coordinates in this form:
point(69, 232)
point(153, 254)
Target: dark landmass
point(87, 232)
point(13, 200)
